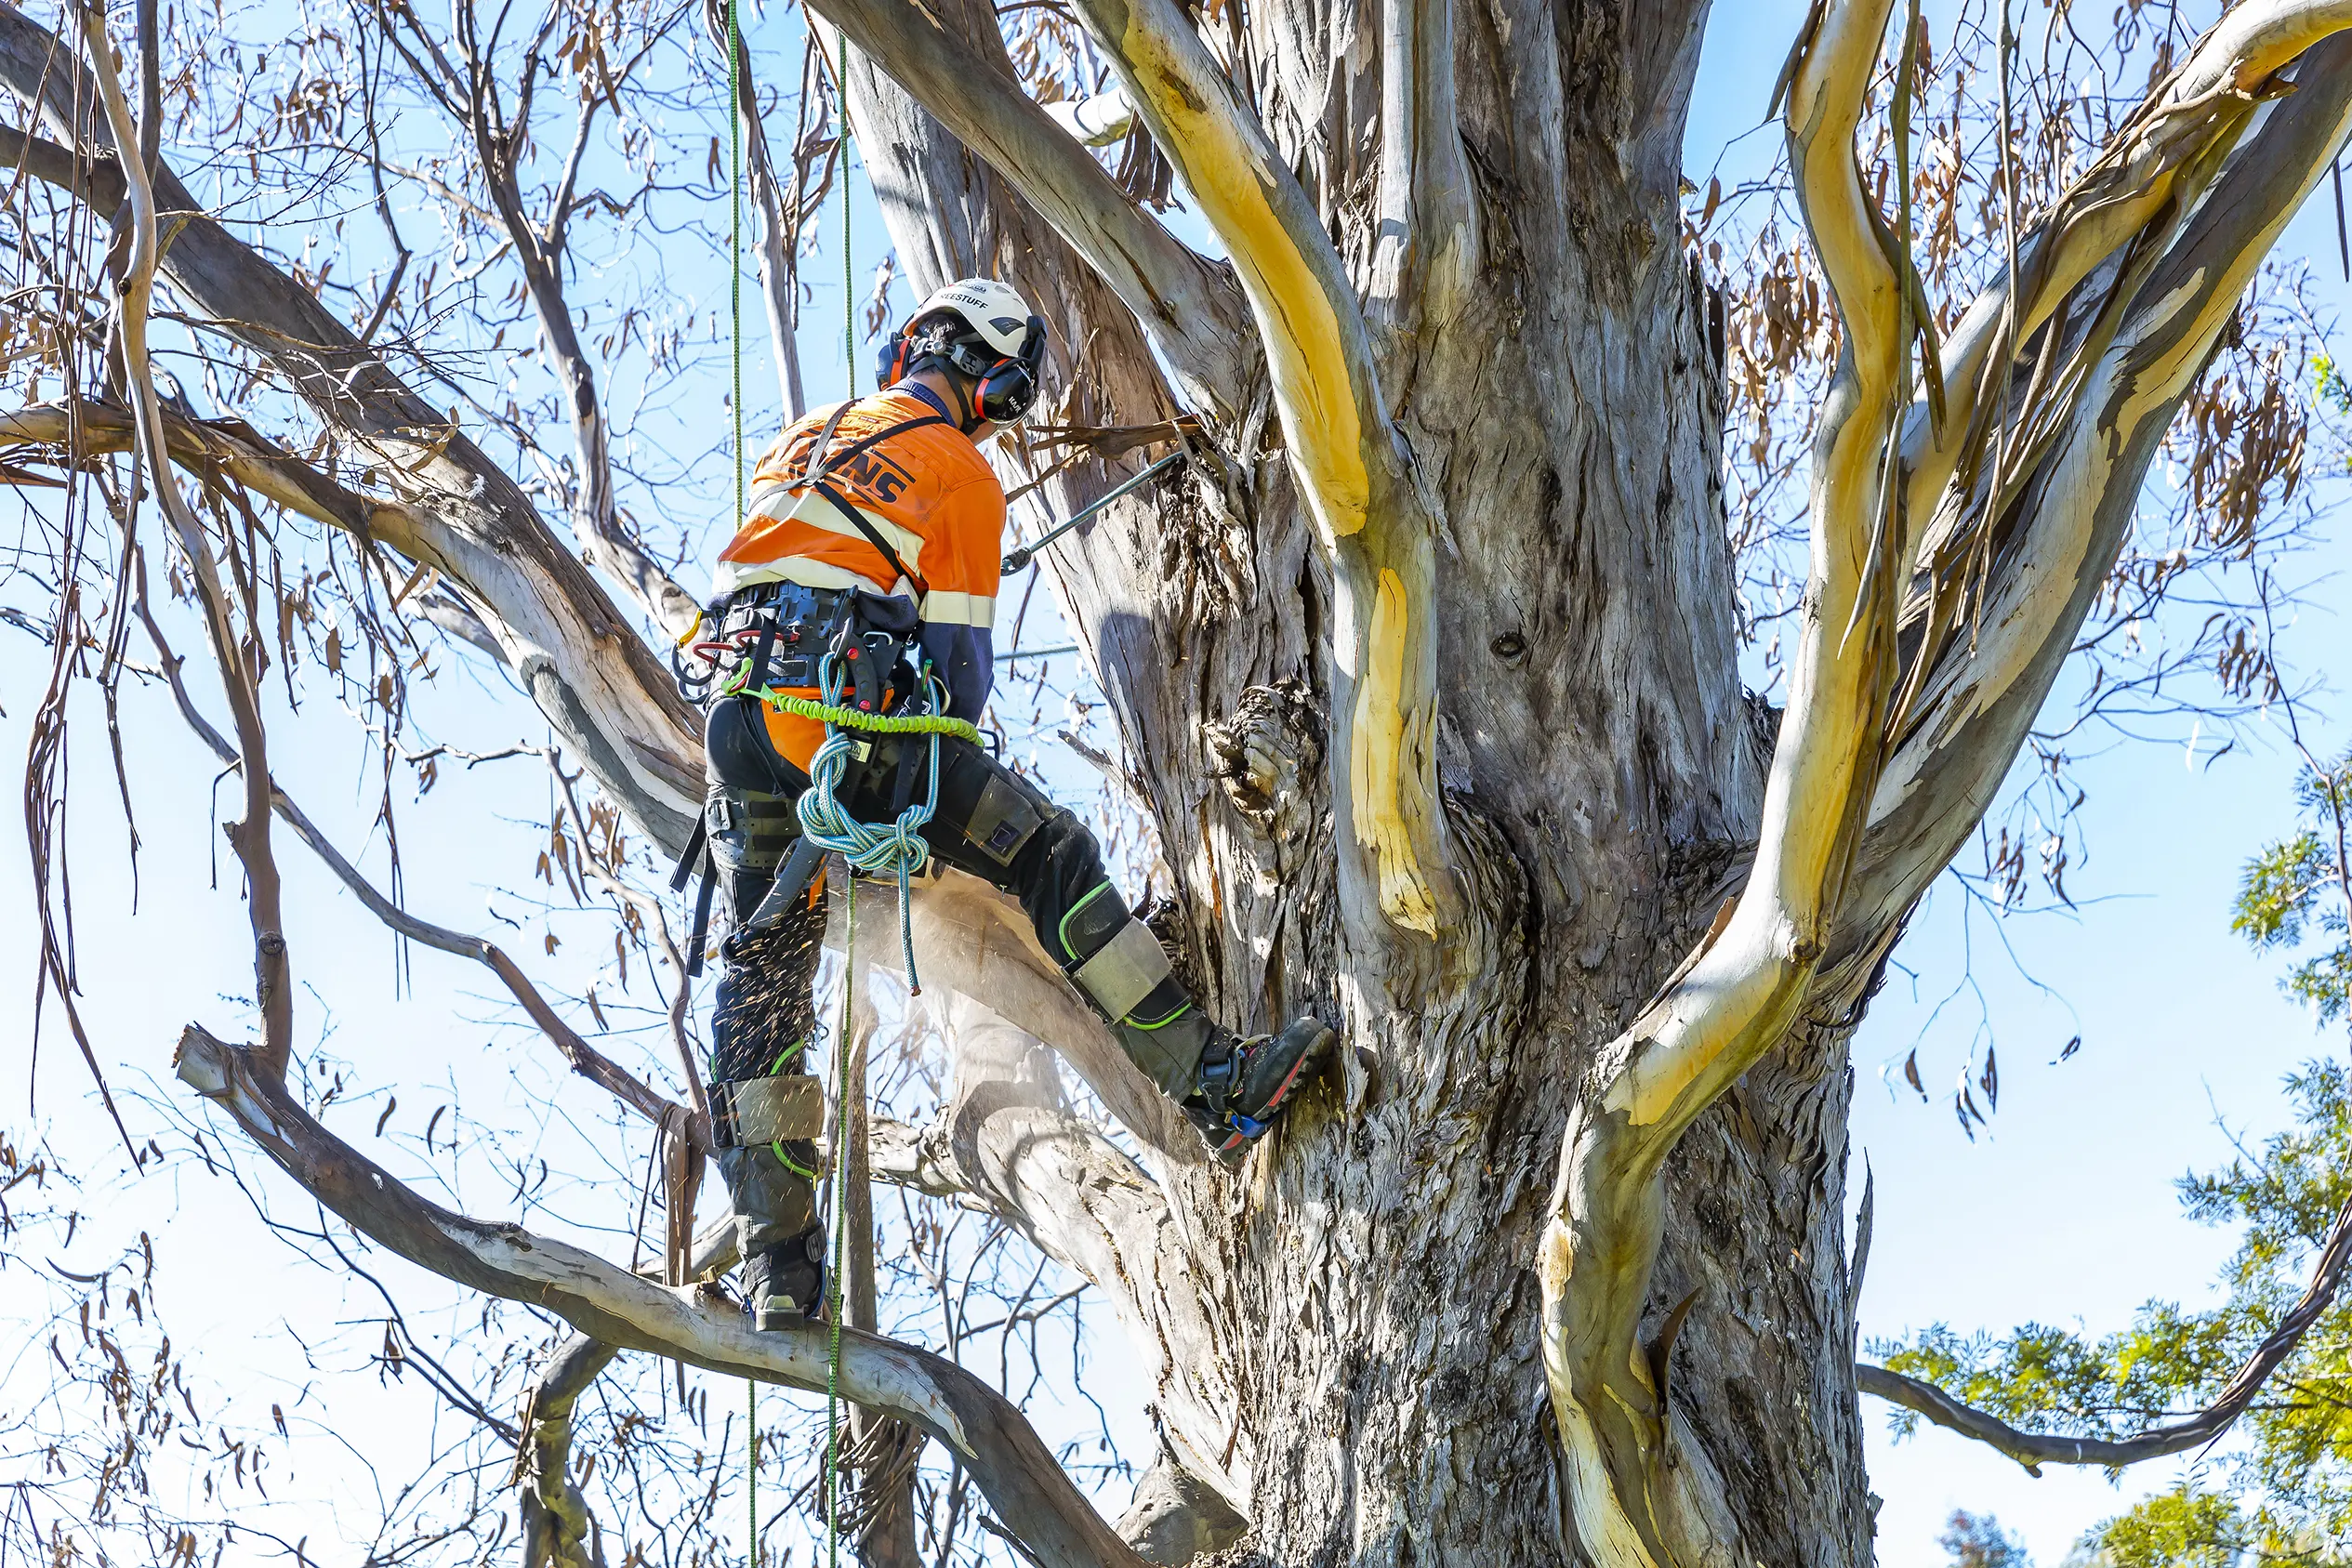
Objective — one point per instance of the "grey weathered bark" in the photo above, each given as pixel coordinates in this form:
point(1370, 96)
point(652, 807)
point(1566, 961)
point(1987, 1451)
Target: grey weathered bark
point(1428, 669)
point(558, 1530)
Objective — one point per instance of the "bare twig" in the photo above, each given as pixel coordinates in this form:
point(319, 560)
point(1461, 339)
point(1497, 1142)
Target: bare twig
point(584, 1058)
point(274, 991)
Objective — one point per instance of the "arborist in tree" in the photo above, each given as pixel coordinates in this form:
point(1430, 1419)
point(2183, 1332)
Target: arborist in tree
point(873, 535)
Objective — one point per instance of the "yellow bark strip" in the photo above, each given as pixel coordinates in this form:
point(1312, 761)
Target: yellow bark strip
point(1375, 764)
point(1305, 346)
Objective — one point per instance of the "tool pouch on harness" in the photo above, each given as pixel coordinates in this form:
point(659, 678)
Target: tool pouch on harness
point(872, 640)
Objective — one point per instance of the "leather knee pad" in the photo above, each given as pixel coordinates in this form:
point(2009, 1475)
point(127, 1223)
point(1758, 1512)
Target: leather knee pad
point(988, 816)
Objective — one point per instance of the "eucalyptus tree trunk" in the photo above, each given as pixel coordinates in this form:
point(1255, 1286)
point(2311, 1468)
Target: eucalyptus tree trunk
point(1574, 781)
point(1372, 1343)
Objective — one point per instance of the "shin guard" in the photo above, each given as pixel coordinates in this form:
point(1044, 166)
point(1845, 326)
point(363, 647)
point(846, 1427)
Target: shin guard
point(1119, 965)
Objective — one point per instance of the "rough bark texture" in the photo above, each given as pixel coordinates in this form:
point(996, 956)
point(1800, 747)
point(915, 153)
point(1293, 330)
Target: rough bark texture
point(1602, 778)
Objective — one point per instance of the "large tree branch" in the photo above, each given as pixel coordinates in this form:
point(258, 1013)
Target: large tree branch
point(2035, 1449)
point(1005, 1144)
point(599, 685)
point(1079, 1201)
point(1375, 521)
point(1341, 441)
point(1735, 996)
point(2008, 575)
point(971, 939)
point(1185, 308)
point(1012, 1467)
point(2047, 495)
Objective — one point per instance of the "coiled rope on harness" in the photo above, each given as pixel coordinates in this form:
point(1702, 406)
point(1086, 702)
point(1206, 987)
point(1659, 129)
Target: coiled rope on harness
point(891, 848)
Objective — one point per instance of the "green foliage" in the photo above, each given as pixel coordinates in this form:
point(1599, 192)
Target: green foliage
point(2292, 893)
point(1977, 1540)
point(2289, 1462)
point(2329, 387)
point(2183, 1528)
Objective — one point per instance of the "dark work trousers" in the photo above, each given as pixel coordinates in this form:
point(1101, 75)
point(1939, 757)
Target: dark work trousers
point(989, 822)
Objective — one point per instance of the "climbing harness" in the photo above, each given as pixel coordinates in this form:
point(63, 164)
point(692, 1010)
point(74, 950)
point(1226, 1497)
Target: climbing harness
point(894, 848)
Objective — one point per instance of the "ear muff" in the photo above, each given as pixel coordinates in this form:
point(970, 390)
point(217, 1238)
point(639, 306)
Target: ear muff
point(1009, 388)
point(889, 361)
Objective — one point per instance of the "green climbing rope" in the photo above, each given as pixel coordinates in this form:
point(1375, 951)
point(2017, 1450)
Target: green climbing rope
point(857, 718)
point(849, 930)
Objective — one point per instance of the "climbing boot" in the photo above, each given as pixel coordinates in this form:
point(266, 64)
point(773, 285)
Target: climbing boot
point(1242, 1085)
point(783, 1287)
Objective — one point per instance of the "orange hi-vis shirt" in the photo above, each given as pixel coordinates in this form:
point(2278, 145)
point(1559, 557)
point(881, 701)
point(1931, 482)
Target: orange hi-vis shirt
point(928, 492)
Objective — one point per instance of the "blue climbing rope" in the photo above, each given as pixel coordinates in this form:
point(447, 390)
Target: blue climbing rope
point(891, 848)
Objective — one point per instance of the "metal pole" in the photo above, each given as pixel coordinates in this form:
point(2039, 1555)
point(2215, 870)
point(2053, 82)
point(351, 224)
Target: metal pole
point(1026, 553)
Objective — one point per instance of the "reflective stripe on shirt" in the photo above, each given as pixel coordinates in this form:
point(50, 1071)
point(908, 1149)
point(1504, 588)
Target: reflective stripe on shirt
point(959, 609)
point(813, 509)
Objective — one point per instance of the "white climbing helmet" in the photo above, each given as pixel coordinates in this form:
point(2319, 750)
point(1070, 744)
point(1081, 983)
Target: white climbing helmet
point(997, 340)
point(994, 312)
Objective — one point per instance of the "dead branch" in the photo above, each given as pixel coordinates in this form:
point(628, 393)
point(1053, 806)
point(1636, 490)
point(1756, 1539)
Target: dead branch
point(558, 1531)
point(992, 1440)
point(274, 989)
point(583, 1057)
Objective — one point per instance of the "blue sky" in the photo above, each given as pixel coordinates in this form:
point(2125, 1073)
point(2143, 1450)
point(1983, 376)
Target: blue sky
point(2062, 1210)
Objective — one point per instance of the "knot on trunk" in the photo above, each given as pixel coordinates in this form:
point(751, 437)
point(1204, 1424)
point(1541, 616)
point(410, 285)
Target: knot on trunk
point(1271, 742)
